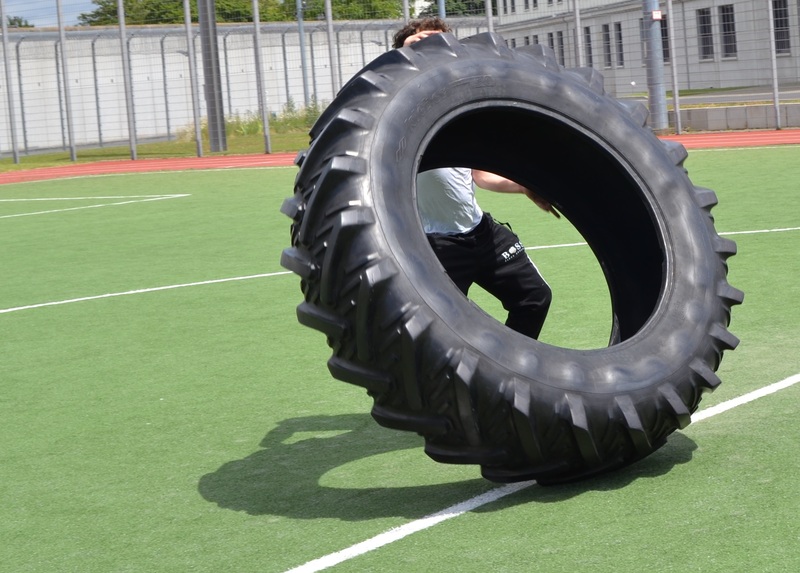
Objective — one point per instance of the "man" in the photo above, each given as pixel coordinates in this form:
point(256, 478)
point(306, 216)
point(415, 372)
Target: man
point(471, 246)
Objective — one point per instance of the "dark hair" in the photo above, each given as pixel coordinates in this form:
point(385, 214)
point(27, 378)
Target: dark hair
point(421, 25)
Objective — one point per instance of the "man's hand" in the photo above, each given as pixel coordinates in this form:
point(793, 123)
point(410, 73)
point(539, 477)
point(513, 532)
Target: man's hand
point(542, 204)
point(500, 184)
point(419, 36)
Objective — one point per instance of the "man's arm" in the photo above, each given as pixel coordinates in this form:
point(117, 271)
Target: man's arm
point(499, 184)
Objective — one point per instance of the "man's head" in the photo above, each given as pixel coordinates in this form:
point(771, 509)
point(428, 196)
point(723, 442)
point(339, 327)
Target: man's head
point(414, 27)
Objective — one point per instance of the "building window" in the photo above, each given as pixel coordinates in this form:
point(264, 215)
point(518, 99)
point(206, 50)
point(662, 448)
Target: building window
point(551, 41)
point(780, 13)
point(618, 44)
point(705, 34)
point(505, 6)
point(527, 40)
point(527, 5)
point(587, 45)
point(607, 63)
point(665, 40)
point(535, 38)
point(513, 6)
point(513, 43)
point(728, 27)
point(535, 4)
point(560, 38)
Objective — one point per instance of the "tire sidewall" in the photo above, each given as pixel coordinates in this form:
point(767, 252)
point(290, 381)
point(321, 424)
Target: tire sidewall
point(420, 106)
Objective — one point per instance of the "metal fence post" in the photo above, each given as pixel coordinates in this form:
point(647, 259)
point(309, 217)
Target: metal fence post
point(187, 20)
point(676, 98)
point(774, 62)
point(166, 90)
point(226, 61)
point(96, 83)
point(65, 75)
point(314, 88)
point(333, 47)
point(303, 64)
point(286, 66)
point(126, 78)
point(12, 122)
point(211, 75)
point(655, 65)
point(59, 81)
point(576, 12)
point(262, 104)
point(21, 95)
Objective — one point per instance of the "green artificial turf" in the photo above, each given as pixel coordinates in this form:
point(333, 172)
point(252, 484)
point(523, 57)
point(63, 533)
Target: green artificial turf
point(197, 428)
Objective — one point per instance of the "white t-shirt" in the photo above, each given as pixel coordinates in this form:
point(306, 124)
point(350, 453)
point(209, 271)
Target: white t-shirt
point(446, 201)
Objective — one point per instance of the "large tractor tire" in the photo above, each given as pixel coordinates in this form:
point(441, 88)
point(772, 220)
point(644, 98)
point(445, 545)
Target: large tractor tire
point(432, 360)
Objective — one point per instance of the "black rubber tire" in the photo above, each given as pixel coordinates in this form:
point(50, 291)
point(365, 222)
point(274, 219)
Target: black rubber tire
point(432, 360)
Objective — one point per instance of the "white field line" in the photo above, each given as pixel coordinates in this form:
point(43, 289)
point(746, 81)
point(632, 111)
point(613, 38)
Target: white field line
point(231, 279)
point(784, 230)
point(398, 533)
point(139, 291)
point(30, 199)
point(561, 246)
point(744, 399)
point(131, 199)
point(724, 233)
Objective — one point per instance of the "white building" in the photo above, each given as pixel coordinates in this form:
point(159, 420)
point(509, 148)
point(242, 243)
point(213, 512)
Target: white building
point(717, 43)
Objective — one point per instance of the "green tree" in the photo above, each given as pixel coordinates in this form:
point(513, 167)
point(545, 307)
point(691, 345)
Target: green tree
point(353, 9)
point(171, 11)
point(136, 12)
point(18, 22)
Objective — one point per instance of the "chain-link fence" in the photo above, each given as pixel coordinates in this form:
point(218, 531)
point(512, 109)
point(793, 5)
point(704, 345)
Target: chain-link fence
point(71, 86)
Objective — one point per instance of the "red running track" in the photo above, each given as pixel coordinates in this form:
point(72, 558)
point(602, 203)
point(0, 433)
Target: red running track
point(715, 140)
point(690, 141)
point(145, 165)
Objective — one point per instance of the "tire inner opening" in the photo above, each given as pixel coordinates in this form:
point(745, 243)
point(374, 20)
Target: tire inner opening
point(586, 183)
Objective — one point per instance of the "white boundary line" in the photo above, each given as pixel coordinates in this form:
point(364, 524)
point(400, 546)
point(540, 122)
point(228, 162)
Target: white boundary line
point(398, 533)
point(134, 199)
point(724, 233)
point(232, 279)
point(139, 291)
point(784, 230)
point(561, 246)
point(744, 399)
point(28, 199)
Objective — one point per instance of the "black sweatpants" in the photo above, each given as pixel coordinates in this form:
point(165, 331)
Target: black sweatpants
point(492, 256)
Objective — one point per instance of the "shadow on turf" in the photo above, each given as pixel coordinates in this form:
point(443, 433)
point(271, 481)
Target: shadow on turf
point(283, 478)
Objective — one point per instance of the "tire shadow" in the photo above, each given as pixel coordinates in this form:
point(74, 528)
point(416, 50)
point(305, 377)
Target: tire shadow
point(283, 477)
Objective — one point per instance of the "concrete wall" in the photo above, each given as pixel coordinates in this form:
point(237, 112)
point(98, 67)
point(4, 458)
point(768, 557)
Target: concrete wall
point(738, 117)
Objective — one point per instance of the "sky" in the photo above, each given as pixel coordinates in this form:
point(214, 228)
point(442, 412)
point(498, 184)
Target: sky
point(45, 12)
